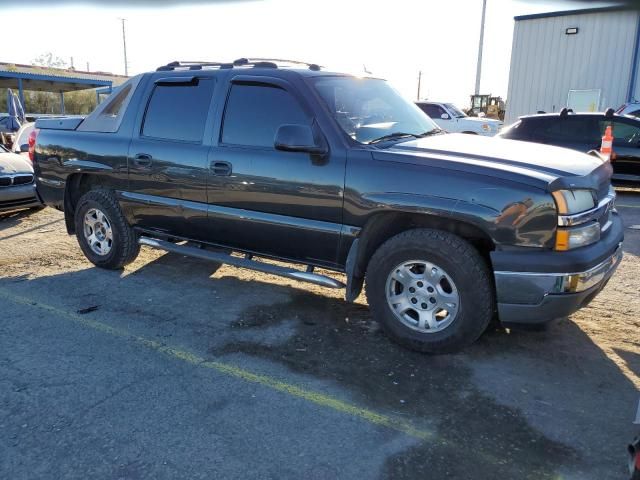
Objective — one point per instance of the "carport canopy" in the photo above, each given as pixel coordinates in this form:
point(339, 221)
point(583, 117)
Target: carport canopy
point(51, 80)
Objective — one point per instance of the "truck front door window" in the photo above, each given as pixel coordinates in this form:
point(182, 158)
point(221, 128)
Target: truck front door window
point(255, 112)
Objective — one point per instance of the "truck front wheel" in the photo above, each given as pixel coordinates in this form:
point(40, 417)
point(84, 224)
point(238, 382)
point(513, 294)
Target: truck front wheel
point(430, 290)
point(104, 235)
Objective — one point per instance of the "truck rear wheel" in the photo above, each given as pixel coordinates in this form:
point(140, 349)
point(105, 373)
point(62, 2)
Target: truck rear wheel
point(430, 290)
point(104, 235)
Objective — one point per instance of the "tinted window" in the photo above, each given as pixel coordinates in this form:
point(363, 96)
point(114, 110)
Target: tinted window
point(624, 134)
point(178, 112)
point(255, 112)
point(115, 104)
point(434, 111)
point(570, 129)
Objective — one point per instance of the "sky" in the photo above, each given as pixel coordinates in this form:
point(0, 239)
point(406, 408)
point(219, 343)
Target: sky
point(392, 39)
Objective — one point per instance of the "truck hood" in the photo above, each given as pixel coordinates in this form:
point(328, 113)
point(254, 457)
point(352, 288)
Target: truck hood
point(535, 164)
point(14, 163)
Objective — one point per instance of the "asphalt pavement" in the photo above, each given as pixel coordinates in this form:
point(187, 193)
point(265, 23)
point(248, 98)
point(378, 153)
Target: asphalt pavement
point(175, 368)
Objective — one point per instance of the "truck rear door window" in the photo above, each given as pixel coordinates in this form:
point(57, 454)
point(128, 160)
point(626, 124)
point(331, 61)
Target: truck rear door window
point(178, 112)
point(255, 112)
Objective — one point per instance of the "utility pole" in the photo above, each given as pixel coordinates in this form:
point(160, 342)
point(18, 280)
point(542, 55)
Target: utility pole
point(480, 44)
point(124, 47)
point(419, 80)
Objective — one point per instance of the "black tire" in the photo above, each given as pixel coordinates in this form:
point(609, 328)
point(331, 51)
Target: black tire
point(461, 261)
point(124, 244)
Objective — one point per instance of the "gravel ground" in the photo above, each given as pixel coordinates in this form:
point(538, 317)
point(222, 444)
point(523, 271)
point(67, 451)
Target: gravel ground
point(175, 368)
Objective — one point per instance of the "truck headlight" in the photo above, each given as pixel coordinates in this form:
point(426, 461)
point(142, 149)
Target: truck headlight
point(576, 237)
point(570, 202)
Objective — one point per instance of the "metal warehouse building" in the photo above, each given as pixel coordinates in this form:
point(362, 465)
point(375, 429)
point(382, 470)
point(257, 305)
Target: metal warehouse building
point(586, 60)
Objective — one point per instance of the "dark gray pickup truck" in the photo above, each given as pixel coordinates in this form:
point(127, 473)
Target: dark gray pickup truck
point(321, 169)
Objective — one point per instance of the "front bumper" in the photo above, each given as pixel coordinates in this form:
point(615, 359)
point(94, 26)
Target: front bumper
point(22, 196)
point(555, 289)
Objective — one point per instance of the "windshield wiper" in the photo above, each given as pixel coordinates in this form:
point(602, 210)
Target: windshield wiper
point(393, 136)
point(434, 131)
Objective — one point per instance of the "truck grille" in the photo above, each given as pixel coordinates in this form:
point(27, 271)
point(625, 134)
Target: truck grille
point(20, 179)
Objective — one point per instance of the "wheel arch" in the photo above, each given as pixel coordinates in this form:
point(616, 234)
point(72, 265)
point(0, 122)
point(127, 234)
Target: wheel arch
point(383, 226)
point(76, 185)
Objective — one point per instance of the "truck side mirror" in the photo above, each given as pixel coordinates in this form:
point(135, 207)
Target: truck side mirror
point(298, 138)
point(445, 116)
point(24, 148)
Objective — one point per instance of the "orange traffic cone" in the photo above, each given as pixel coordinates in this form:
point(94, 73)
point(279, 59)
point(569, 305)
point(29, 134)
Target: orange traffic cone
point(606, 149)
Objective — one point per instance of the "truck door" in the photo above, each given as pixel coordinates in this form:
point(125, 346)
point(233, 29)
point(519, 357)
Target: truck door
point(280, 203)
point(167, 158)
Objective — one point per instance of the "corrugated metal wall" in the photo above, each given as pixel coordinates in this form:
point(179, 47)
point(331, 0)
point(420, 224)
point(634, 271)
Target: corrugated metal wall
point(546, 63)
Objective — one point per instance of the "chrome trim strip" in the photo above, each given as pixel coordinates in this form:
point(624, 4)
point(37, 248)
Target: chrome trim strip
point(560, 274)
point(530, 288)
point(595, 213)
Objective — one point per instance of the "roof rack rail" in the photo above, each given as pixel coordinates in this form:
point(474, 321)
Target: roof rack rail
point(240, 62)
point(186, 65)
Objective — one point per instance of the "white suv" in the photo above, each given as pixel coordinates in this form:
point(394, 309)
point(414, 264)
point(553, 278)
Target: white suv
point(451, 119)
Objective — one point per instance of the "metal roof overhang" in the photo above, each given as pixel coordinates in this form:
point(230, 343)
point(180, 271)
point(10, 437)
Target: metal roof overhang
point(49, 83)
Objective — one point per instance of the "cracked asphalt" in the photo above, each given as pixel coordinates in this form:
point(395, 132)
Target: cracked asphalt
point(175, 368)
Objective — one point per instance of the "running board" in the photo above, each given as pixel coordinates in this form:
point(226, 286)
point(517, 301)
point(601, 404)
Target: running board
point(244, 262)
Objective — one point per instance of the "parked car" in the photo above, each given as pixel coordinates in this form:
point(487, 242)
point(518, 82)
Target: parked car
point(21, 142)
point(340, 172)
point(583, 132)
point(7, 134)
point(17, 183)
point(451, 119)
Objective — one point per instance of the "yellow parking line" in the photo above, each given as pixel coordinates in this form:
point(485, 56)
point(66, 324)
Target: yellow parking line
point(627, 206)
point(234, 371)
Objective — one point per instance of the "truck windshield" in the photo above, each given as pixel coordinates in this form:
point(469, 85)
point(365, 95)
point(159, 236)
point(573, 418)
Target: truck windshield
point(455, 111)
point(369, 110)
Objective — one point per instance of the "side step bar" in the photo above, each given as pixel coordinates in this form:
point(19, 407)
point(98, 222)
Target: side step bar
point(246, 262)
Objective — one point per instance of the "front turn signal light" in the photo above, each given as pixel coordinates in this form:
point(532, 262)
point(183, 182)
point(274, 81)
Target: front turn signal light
point(576, 237)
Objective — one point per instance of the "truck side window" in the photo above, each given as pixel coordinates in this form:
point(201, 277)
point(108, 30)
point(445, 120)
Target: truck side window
point(572, 129)
point(434, 111)
point(255, 112)
point(178, 112)
point(624, 134)
point(115, 104)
